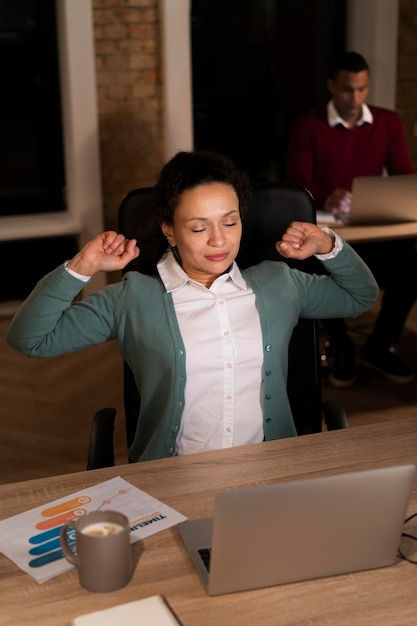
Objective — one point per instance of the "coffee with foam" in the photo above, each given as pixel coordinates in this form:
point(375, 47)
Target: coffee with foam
point(102, 529)
point(102, 552)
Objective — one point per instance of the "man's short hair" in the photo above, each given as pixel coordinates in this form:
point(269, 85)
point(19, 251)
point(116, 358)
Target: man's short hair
point(348, 62)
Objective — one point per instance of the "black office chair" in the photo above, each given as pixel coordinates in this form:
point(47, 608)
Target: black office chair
point(270, 210)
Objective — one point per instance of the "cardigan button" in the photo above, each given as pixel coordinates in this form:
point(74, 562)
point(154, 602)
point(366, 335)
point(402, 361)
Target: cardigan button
point(268, 373)
point(268, 348)
point(268, 396)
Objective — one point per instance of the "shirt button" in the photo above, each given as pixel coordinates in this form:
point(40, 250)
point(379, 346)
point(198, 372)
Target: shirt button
point(228, 430)
point(226, 334)
point(228, 397)
point(268, 348)
point(229, 365)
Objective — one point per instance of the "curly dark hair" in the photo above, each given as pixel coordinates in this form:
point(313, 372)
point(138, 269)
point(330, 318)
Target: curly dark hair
point(186, 170)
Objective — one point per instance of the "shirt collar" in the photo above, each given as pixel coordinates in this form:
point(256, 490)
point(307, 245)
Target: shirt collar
point(174, 277)
point(333, 117)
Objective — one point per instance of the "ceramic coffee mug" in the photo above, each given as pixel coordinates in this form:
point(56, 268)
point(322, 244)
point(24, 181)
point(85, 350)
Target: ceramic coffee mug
point(103, 553)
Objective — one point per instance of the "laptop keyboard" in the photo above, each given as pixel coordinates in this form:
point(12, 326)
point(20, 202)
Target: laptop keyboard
point(205, 554)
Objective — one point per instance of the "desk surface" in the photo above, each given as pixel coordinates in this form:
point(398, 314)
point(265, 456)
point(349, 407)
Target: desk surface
point(362, 234)
point(189, 484)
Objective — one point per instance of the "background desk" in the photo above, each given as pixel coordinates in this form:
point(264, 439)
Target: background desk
point(189, 484)
point(361, 234)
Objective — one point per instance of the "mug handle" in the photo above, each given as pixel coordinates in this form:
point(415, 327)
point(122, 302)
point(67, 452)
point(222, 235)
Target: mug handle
point(68, 553)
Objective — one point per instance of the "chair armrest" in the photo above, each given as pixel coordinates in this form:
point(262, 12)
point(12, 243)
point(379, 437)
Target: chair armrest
point(335, 416)
point(100, 449)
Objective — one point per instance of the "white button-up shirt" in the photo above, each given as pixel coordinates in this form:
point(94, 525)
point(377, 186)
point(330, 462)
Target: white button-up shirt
point(222, 335)
point(333, 117)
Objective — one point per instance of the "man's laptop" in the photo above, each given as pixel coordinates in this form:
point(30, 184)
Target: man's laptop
point(380, 200)
point(299, 530)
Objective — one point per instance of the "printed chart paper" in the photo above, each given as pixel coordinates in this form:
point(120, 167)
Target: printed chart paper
point(31, 539)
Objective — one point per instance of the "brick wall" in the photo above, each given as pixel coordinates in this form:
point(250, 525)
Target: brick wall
point(126, 34)
point(407, 73)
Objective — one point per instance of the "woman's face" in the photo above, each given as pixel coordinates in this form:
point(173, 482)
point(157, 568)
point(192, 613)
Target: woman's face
point(206, 231)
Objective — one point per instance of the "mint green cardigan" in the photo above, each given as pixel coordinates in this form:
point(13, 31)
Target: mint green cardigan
point(139, 314)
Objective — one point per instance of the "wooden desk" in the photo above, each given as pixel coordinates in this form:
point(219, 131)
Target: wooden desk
point(361, 234)
point(189, 484)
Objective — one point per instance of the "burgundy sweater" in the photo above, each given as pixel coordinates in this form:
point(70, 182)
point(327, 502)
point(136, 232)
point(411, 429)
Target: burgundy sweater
point(322, 158)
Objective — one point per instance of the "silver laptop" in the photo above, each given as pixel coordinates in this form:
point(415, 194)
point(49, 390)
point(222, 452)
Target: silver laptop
point(383, 200)
point(299, 530)
point(379, 200)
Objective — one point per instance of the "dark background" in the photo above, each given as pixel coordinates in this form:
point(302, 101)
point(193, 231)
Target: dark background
point(247, 84)
point(247, 87)
point(31, 147)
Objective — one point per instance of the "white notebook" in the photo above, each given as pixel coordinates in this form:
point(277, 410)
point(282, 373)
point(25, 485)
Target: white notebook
point(153, 611)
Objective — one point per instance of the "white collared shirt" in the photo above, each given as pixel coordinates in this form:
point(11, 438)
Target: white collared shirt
point(222, 336)
point(333, 117)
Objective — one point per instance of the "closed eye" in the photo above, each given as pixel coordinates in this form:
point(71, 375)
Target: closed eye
point(203, 228)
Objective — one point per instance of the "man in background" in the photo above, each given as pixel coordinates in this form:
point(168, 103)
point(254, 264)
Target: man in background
point(327, 149)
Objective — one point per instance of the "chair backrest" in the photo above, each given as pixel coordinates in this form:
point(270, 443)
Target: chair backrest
point(134, 211)
point(270, 210)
